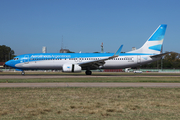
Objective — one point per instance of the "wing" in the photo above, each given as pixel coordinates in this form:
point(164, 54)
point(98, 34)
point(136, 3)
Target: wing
point(95, 64)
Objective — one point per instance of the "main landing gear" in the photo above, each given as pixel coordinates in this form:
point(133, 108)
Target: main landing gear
point(88, 72)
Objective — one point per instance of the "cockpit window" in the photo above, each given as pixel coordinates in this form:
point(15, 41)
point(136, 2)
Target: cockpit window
point(15, 58)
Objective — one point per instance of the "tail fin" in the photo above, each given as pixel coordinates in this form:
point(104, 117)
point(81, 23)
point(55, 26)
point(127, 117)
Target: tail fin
point(154, 43)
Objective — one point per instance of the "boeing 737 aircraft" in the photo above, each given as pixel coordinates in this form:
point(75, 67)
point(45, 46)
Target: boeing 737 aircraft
point(75, 62)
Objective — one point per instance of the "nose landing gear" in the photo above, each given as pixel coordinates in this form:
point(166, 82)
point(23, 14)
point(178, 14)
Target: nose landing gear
point(22, 73)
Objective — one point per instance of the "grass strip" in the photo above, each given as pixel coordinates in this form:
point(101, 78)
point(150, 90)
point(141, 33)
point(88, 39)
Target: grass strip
point(96, 79)
point(89, 103)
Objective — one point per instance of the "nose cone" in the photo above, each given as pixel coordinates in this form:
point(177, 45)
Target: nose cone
point(9, 63)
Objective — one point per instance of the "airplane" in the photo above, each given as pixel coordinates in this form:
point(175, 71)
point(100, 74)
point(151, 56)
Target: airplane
point(76, 62)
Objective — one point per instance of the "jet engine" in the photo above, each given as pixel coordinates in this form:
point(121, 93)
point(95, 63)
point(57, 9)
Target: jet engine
point(71, 68)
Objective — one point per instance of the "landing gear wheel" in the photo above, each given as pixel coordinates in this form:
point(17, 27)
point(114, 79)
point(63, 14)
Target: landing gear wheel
point(88, 72)
point(23, 73)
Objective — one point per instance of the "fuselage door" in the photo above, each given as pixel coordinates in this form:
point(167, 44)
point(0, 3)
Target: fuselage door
point(138, 59)
point(26, 59)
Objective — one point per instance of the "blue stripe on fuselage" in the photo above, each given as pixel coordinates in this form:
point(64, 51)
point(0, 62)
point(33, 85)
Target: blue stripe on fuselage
point(76, 55)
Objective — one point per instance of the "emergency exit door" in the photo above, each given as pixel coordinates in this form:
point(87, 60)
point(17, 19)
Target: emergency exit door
point(138, 59)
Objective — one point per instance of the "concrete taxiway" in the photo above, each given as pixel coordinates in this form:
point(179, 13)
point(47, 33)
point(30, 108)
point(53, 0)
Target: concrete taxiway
point(83, 84)
point(73, 76)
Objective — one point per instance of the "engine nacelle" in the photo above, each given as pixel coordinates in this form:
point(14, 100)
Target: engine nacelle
point(71, 68)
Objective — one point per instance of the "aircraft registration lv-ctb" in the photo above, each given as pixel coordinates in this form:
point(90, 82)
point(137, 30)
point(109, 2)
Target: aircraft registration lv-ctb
point(75, 62)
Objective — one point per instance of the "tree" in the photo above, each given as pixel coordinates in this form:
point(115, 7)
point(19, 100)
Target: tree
point(6, 53)
point(70, 52)
point(171, 60)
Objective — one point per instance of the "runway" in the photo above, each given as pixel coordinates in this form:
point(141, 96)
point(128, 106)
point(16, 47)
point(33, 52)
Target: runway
point(74, 76)
point(146, 85)
point(80, 84)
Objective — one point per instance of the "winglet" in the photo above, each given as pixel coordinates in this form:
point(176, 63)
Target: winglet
point(118, 51)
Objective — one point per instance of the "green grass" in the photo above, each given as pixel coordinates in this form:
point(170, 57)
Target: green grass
point(95, 79)
point(90, 103)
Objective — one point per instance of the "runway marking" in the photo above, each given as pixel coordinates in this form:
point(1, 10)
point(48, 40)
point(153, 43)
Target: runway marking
point(170, 85)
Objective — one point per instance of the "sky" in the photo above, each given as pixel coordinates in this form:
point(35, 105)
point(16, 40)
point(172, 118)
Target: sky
point(28, 25)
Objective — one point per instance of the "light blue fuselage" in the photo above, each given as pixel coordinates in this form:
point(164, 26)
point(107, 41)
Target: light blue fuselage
point(46, 61)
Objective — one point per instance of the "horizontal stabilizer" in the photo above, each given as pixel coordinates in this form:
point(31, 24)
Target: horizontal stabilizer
point(160, 55)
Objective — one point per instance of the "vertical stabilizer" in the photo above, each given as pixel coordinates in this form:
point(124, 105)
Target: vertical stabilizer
point(154, 43)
